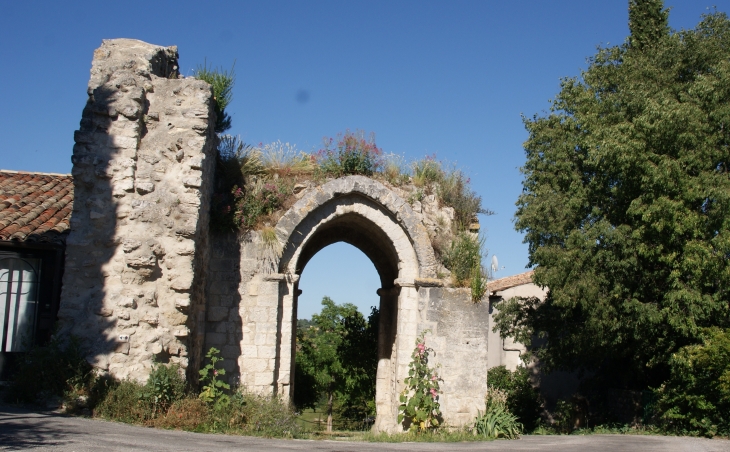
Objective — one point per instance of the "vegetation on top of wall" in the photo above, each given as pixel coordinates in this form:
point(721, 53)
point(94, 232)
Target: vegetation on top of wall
point(222, 82)
point(256, 184)
point(245, 172)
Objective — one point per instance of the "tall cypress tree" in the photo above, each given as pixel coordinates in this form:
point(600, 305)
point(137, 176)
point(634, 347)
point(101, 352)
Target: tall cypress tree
point(648, 22)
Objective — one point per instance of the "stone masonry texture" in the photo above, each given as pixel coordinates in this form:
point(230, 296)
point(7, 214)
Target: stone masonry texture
point(147, 281)
point(136, 257)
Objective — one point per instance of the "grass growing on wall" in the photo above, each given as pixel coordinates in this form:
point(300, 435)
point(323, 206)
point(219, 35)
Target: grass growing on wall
point(256, 184)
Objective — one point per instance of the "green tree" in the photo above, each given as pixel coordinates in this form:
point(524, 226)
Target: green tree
point(626, 205)
point(336, 358)
point(648, 22)
point(358, 352)
point(696, 398)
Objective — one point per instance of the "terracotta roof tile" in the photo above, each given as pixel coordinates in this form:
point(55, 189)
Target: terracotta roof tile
point(35, 207)
point(508, 282)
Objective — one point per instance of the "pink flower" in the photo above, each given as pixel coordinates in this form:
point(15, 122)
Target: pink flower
point(215, 372)
point(433, 378)
point(433, 393)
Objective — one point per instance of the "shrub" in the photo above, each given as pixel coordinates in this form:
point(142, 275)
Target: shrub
point(463, 257)
point(125, 401)
point(236, 162)
point(264, 415)
point(696, 398)
point(351, 154)
point(427, 171)
point(284, 160)
point(453, 190)
point(395, 170)
point(563, 417)
point(189, 413)
point(497, 421)
point(521, 398)
point(164, 386)
point(57, 369)
point(257, 201)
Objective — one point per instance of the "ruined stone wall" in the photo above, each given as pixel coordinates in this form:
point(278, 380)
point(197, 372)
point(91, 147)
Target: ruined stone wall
point(244, 311)
point(251, 314)
point(136, 257)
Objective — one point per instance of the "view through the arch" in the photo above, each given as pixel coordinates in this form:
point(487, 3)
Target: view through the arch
point(337, 340)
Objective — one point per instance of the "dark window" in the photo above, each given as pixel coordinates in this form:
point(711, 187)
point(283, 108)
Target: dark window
point(19, 290)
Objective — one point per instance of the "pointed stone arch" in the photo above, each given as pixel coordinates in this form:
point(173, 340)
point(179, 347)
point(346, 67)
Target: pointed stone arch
point(363, 197)
point(252, 298)
point(364, 213)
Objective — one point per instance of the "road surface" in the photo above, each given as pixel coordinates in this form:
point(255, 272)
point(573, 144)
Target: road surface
point(22, 429)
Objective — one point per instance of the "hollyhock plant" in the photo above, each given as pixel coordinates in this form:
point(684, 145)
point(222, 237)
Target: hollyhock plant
point(420, 410)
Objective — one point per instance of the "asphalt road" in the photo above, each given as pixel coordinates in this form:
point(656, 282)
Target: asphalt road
point(22, 429)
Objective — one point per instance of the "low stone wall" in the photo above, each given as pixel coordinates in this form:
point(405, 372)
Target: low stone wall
point(133, 288)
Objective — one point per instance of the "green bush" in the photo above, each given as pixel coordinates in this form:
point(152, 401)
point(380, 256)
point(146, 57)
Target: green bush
point(453, 190)
point(126, 401)
point(164, 386)
point(57, 369)
point(132, 402)
point(521, 398)
point(352, 153)
point(464, 255)
point(264, 415)
point(696, 398)
point(497, 422)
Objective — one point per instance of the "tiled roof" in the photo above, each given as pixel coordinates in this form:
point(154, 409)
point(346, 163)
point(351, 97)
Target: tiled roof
point(501, 284)
point(35, 207)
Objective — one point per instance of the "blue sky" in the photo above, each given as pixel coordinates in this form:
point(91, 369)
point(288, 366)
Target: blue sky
point(446, 78)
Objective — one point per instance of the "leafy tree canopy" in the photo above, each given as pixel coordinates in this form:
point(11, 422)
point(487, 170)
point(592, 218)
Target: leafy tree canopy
point(626, 204)
point(337, 359)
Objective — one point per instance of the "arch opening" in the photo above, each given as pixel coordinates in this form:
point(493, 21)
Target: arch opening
point(338, 284)
point(366, 214)
point(374, 229)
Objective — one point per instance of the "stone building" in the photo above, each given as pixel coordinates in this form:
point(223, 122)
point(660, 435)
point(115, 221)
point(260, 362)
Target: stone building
point(145, 280)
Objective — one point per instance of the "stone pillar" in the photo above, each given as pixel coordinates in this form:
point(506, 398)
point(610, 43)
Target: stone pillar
point(136, 257)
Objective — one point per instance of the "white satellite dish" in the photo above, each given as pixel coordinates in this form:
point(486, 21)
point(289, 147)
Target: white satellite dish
point(495, 263)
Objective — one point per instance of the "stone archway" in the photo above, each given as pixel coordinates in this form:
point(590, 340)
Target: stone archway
point(365, 214)
point(252, 298)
